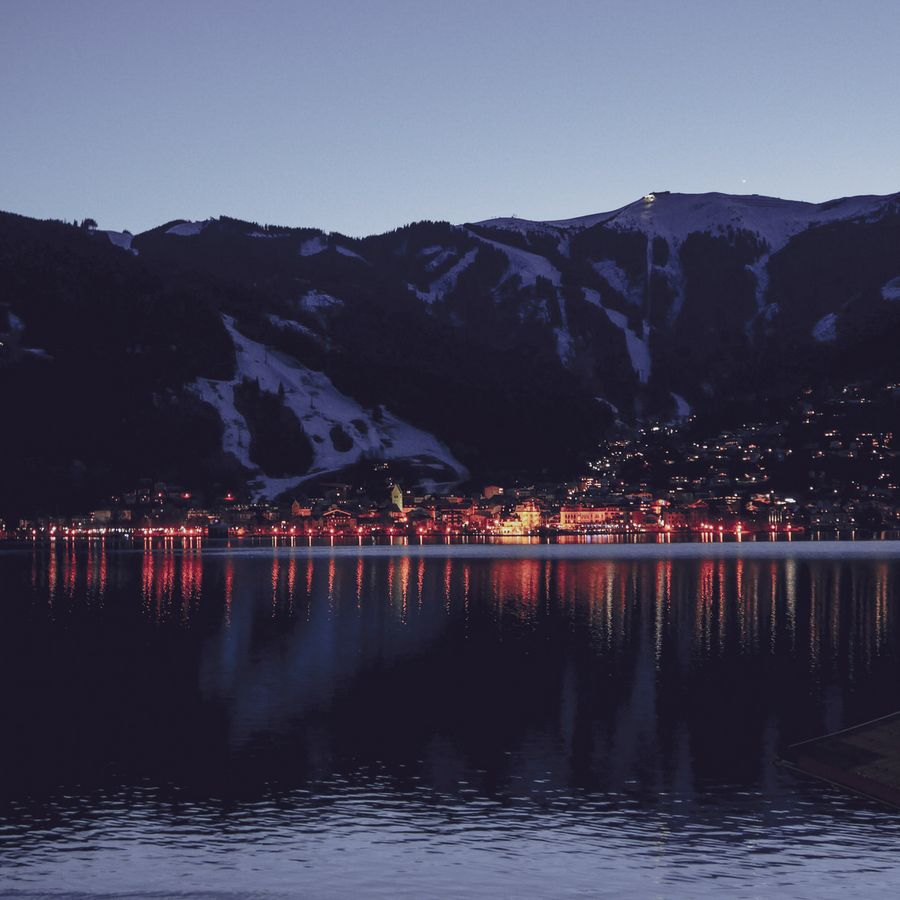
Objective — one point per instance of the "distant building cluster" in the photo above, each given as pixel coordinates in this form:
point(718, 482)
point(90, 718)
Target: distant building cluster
point(823, 467)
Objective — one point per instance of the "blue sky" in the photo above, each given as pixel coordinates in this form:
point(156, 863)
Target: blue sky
point(362, 116)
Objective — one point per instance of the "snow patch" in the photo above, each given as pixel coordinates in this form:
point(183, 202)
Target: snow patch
point(760, 272)
point(528, 266)
point(318, 301)
point(442, 285)
point(563, 345)
point(638, 347)
point(891, 290)
point(319, 406)
point(438, 258)
point(682, 407)
point(563, 334)
point(611, 406)
point(236, 433)
point(825, 329)
point(313, 246)
point(616, 278)
point(121, 239)
point(188, 229)
point(291, 325)
point(346, 251)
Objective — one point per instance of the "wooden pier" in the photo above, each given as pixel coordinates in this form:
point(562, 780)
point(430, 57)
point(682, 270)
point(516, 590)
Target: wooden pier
point(864, 759)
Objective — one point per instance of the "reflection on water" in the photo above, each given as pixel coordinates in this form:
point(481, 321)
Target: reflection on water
point(437, 722)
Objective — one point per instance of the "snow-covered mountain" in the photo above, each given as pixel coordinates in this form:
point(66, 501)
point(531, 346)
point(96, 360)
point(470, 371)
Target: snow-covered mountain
point(675, 216)
point(677, 269)
point(666, 220)
point(504, 347)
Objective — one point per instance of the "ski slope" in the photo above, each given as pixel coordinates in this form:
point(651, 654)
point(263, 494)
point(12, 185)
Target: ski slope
point(320, 407)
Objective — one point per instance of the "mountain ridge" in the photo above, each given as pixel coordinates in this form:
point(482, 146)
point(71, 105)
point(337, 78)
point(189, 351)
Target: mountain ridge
point(858, 204)
point(513, 345)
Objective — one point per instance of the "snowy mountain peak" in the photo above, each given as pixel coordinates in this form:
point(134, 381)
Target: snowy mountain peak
point(674, 216)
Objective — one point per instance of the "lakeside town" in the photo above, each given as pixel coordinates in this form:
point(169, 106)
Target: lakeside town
point(820, 468)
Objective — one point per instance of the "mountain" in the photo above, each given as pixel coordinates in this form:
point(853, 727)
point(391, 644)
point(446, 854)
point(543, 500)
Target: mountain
point(225, 353)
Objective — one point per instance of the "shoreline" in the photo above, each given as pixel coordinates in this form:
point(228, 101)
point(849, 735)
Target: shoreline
point(775, 550)
point(587, 551)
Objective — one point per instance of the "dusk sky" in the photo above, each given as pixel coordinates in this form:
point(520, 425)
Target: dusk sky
point(362, 116)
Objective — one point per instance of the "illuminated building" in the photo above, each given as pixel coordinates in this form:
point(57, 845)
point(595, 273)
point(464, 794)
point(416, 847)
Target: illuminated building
point(576, 515)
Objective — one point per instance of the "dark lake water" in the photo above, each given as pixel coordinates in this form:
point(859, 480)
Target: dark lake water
point(440, 721)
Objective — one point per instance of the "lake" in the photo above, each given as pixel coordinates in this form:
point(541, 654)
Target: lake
point(441, 721)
